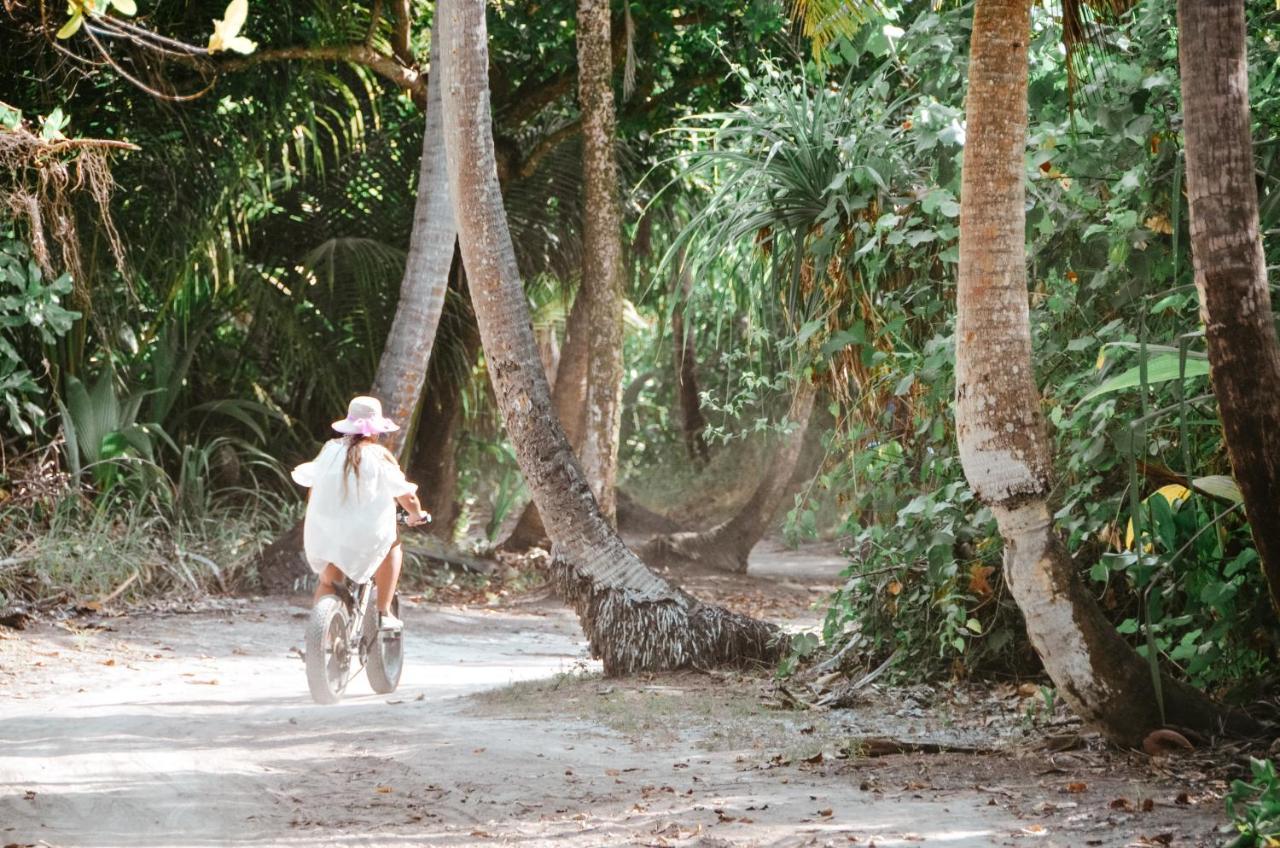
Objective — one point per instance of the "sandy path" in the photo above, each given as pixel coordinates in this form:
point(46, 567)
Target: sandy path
point(196, 729)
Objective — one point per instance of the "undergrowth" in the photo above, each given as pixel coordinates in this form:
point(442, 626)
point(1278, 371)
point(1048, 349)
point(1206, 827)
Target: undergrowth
point(148, 534)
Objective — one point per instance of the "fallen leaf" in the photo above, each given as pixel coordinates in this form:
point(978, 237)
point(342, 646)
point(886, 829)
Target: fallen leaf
point(383, 790)
point(979, 579)
point(1077, 788)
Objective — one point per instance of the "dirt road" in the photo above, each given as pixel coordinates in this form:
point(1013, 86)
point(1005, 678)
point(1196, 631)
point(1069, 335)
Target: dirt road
point(196, 729)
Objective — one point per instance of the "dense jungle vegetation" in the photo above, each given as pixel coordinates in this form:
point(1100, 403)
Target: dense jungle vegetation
point(202, 253)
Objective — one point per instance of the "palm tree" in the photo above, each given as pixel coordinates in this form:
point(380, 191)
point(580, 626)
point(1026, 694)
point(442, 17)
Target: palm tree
point(728, 545)
point(1230, 268)
point(601, 254)
point(402, 369)
point(569, 400)
point(1004, 440)
point(634, 620)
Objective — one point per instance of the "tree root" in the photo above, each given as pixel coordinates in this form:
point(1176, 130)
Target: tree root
point(678, 632)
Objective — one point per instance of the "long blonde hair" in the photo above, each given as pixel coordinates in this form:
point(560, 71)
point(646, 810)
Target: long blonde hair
point(351, 465)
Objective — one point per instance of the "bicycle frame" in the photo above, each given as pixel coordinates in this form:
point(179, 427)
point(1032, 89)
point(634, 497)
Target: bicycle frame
point(356, 605)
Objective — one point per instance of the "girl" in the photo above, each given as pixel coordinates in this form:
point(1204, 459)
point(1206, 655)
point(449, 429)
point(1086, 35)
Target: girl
point(350, 526)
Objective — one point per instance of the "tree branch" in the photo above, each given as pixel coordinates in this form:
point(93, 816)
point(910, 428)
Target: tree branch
point(375, 16)
point(387, 67)
point(400, 44)
point(530, 98)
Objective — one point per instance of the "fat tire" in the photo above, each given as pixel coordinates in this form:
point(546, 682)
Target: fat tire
point(386, 656)
point(324, 690)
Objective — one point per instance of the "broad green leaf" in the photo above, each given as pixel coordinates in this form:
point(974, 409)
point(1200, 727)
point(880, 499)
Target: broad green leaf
point(10, 118)
point(1219, 486)
point(1160, 369)
point(125, 7)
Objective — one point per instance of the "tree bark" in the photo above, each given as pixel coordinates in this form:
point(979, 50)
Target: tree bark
point(1003, 436)
point(601, 254)
point(633, 619)
point(569, 400)
point(728, 545)
point(407, 351)
point(1230, 268)
point(686, 368)
point(433, 462)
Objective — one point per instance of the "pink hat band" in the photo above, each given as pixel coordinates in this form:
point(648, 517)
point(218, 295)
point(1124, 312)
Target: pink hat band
point(364, 418)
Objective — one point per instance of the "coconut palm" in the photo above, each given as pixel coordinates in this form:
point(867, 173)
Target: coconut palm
point(633, 619)
point(402, 367)
point(602, 254)
point(1004, 440)
point(1230, 269)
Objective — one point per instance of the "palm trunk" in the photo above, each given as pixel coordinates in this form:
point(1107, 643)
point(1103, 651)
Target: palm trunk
point(402, 369)
point(433, 462)
point(633, 619)
point(686, 368)
point(570, 401)
point(1004, 440)
point(1230, 268)
point(728, 545)
point(403, 366)
point(601, 254)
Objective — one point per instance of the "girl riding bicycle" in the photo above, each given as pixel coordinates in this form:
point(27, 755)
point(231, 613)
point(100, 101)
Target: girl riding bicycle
point(350, 527)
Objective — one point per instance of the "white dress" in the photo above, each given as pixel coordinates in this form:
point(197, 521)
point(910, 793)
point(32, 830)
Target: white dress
point(352, 525)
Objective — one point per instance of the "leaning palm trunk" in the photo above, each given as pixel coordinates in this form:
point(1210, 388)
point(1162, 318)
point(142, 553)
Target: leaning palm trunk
point(601, 253)
point(407, 351)
point(1004, 441)
point(569, 399)
point(1230, 268)
point(727, 546)
point(686, 371)
point(634, 620)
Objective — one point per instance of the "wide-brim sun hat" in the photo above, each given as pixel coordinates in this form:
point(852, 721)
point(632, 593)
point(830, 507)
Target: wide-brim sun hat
point(364, 417)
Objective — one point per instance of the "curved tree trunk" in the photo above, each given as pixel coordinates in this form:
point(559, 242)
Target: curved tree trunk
point(402, 369)
point(1230, 268)
point(601, 254)
point(433, 462)
point(407, 351)
point(686, 369)
point(728, 545)
point(633, 619)
point(1004, 440)
point(569, 400)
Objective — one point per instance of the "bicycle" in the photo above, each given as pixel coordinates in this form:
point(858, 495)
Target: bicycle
point(343, 637)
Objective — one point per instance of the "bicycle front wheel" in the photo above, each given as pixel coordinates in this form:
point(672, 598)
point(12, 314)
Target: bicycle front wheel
point(386, 651)
point(328, 654)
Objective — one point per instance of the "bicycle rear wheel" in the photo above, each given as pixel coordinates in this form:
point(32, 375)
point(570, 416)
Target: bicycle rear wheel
point(328, 655)
point(386, 651)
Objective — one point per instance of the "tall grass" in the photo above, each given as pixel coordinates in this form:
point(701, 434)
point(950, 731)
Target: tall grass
point(189, 530)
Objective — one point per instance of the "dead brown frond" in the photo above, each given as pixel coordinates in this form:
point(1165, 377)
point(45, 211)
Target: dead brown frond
point(39, 181)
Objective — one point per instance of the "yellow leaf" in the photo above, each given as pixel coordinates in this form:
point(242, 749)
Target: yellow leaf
point(240, 44)
point(1102, 359)
point(1174, 494)
point(72, 26)
point(226, 32)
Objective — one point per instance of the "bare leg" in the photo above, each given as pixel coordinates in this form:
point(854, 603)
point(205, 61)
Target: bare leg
point(387, 576)
point(330, 576)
